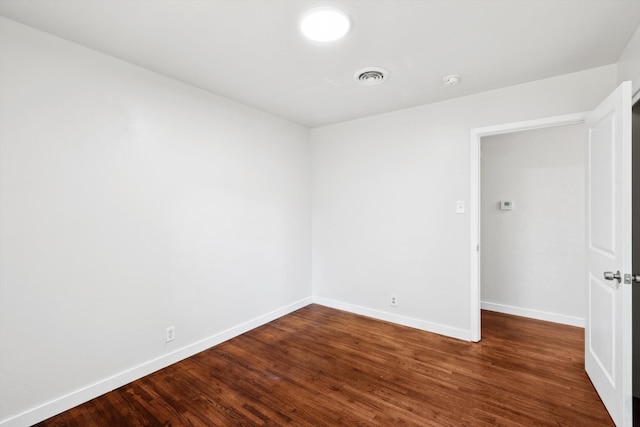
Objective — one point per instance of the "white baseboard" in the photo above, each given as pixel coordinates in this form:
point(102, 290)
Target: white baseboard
point(437, 328)
point(106, 385)
point(534, 314)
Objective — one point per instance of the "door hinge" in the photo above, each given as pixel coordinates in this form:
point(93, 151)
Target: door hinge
point(631, 278)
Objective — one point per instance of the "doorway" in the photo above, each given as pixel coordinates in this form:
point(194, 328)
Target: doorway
point(475, 214)
point(532, 223)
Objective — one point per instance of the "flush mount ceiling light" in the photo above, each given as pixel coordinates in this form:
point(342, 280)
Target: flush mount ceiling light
point(451, 80)
point(371, 76)
point(325, 24)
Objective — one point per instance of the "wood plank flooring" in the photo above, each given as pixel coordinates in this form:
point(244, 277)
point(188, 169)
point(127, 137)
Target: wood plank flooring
point(324, 367)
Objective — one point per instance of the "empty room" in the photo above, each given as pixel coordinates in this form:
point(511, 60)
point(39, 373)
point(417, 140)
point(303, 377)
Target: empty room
point(319, 213)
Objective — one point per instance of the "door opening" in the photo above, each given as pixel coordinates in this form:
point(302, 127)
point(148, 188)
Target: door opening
point(475, 201)
point(532, 223)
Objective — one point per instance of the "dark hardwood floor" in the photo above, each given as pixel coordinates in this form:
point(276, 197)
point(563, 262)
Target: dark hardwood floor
point(324, 367)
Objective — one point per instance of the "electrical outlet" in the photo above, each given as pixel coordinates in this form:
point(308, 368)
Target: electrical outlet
point(394, 300)
point(171, 334)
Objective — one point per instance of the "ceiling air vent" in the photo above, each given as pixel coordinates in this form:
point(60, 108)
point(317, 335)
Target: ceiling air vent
point(371, 76)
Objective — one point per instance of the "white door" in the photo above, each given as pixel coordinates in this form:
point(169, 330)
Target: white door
point(608, 314)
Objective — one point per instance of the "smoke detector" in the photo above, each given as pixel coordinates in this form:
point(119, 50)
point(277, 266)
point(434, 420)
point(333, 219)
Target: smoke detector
point(451, 80)
point(371, 76)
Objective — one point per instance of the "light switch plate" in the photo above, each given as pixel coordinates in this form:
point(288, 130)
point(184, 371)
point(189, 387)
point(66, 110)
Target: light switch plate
point(506, 205)
point(460, 206)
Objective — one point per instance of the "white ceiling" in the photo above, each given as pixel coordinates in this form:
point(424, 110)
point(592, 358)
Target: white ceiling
point(252, 51)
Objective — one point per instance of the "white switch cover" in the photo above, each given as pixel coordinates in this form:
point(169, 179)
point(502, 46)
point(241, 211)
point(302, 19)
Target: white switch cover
point(460, 206)
point(506, 205)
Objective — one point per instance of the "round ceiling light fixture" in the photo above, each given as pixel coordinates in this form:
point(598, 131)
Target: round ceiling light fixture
point(325, 24)
point(371, 76)
point(451, 80)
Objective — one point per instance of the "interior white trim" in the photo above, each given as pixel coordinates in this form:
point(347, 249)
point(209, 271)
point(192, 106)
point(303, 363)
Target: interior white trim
point(474, 199)
point(395, 318)
point(106, 385)
point(533, 314)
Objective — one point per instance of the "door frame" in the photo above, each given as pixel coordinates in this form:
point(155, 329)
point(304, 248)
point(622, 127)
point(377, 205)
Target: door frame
point(474, 201)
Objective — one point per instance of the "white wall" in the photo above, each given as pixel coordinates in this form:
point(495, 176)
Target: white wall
point(384, 196)
point(629, 62)
point(129, 203)
point(533, 255)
